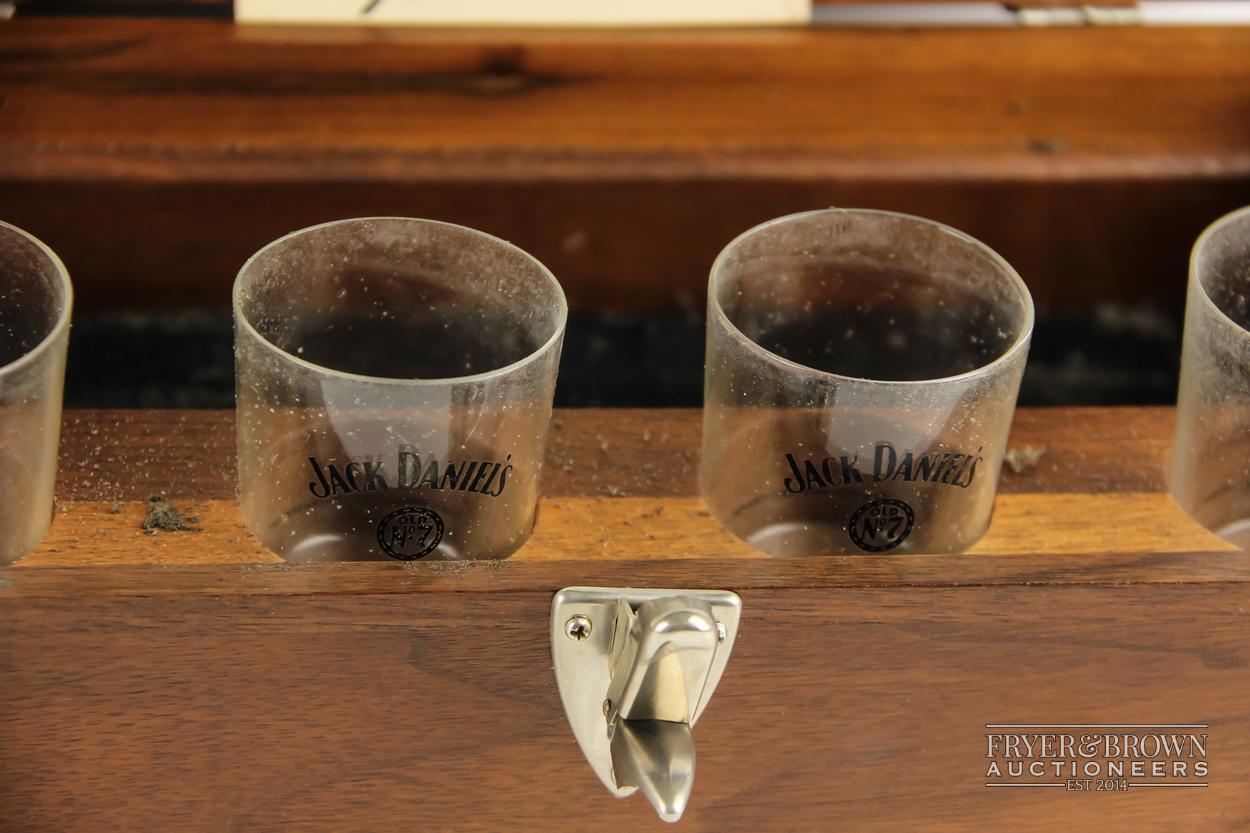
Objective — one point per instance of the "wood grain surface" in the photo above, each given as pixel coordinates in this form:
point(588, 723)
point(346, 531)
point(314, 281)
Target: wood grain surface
point(192, 692)
point(620, 245)
point(592, 452)
point(155, 156)
point(859, 709)
point(205, 100)
point(616, 484)
point(626, 245)
point(633, 529)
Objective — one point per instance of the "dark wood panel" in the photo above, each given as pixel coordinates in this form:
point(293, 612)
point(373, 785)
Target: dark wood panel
point(1092, 450)
point(19, 583)
point(851, 709)
point(132, 455)
point(191, 455)
point(627, 245)
point(157, 155)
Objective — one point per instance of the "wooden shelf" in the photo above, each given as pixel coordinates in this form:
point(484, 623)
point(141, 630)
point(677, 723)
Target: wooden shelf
point(209, 101)
point(184, 680)
point(156, 155)
point(616, 484)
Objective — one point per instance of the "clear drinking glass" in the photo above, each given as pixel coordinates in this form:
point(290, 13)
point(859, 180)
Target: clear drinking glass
point(862, 371)
point(35, 301)
point(1211, 454)
point(394, 384)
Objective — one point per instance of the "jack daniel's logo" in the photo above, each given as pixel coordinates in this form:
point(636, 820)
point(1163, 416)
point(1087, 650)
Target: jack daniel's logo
point(410, 533)
point(947, 468)
point(485, 477)
point(881, 525)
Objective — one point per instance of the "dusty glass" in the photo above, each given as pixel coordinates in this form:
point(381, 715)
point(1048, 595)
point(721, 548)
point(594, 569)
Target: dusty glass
point(394, 381)
point(1211, 454)
point(35, 301)
point(862, 371)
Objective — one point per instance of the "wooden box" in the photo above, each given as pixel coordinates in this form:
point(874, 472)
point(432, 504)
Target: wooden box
point(192, 681)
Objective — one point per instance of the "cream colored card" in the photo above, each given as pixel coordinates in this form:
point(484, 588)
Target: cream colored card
point(528, 12)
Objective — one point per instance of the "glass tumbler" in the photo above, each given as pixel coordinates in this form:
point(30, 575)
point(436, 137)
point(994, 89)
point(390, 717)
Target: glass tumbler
point(394, 382)
point(1211, 454)
point(35, 301)
point(862, 371)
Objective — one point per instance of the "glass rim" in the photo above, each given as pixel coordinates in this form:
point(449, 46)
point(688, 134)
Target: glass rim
point(67, 295)
point(1194, 253)
point(1017, 346)
point(529, 358)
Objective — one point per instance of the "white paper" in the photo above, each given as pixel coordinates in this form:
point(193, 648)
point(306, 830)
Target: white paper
point(528, 12)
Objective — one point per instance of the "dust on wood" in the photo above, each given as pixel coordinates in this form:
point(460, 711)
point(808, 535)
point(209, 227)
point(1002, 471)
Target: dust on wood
point(1023, 458)
point(456, 566)
point(162, 514)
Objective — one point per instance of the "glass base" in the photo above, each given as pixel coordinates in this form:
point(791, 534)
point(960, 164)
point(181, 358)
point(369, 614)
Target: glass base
point(1237, 533)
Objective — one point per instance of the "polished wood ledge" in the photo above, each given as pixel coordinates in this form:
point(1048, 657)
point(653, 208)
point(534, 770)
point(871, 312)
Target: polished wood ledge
point(621, 485)
point(192, 681)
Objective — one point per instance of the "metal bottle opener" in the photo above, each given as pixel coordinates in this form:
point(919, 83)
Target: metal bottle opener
point(636, 669)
